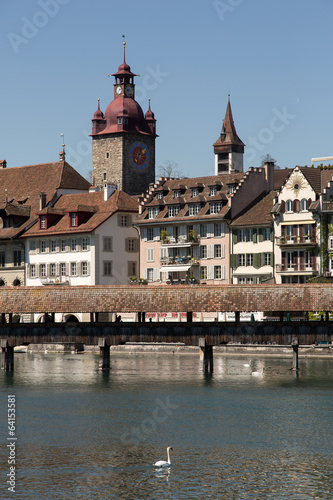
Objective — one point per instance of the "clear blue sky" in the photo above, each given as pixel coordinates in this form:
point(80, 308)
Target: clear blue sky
point(274, 56)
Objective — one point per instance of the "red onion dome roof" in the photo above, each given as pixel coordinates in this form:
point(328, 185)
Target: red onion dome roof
point(128, 108)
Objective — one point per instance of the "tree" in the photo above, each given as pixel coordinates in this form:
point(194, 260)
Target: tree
point(170, 169)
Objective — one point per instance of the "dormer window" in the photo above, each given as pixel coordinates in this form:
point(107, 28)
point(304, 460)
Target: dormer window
point(153, 212)
point(73, 219)
point(231, 188)
point(42, 222)
point(195, 192)
point(177, 194)
point(213, 191)
point(160, 196)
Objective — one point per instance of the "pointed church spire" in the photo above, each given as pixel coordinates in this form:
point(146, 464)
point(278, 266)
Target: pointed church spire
point(228, 148)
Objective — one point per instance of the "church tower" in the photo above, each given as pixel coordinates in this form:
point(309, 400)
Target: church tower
point(228, 148)
point(123, 139)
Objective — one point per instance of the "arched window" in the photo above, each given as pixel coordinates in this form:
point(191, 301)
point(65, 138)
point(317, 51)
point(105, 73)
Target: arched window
point(304, 204)
point(289, 206)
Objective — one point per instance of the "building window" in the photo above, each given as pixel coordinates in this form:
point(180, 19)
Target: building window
point(131, 245)
point(214, 208)
point(73, 220)
point(150, 274)
point(241, 235)
point(104, 176)
point(108, 156)
point(177, 194)
point(124, 221)
point(73, 268)
point(62, 269)
point(218, 229)
point(42, 270)
point(132, 268)
point(249, 259)
point(241, 281)
point(17, 258)
point(73, 245)
point(289, 206)
point(153, 212)
point(85, 243)
point(213, 191)
point(203, 230)
point(52, 269)
point(195, 192)
point(267, 259)
point(107, 268)
point(84, 268)
point(173, 211)
point(42, 222)
point(203, 272)
point(249, 281)
point(304, 204)
point(107, 243)
point(290, 232)
point(63, 245)
point(232, 188)
point(203, 251)
point(194, 209)
point(241, 259)
point(43, 246)
point(159, 196)
point(249, 235)
point(120, 121)
point(217, 272)
point(2, 259)
point(33, 271)
point(53, 246)
point(150, 233)
point(150, 254)
point(217, 251)
point(267, 233)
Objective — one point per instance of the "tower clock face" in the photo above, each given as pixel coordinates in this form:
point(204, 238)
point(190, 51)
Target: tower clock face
point(139, 155)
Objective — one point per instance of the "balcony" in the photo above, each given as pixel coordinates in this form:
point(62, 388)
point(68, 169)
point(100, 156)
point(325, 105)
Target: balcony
point(296, 267)
point(293, 241)
point(327, 206)
point(179, 261)
point(181, 241)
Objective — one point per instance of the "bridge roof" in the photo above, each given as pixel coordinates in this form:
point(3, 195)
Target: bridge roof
point(166, 298)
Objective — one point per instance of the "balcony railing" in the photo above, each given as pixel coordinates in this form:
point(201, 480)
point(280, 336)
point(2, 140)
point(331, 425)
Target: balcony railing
point(178, 261)
point(327, 206)
point(296, 267)
point(295, 240)
point(181, 240)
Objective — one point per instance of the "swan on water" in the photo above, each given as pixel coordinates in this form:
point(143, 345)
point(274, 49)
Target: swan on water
point(259, 373)
point(163, 463)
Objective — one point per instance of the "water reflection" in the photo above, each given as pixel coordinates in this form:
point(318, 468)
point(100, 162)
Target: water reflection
point(88, 434)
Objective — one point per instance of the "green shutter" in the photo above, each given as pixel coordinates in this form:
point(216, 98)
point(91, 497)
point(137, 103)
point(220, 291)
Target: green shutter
point(257, 260)
point(260, 235)
point(234, 237)
point(233, 260)
point(254, 239)
point(272, 234)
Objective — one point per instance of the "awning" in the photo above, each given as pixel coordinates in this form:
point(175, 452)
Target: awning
point(297, 223)
point(174, 268)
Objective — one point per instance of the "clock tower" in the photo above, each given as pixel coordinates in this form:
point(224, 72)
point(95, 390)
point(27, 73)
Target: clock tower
point(123, 139)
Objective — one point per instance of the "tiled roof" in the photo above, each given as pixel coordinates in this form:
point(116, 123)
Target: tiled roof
point(24, 184)
point(280, 176)
point(258, 214)
point(90, 203)
point(186, 185)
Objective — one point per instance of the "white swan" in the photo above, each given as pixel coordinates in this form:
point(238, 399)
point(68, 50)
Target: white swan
point(163, 463)
point(258, 374)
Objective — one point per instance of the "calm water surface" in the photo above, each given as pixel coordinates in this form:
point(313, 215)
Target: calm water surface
point(83, 434)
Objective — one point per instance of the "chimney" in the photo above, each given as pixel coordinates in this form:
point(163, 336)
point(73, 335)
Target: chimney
point(3, 164)
point(109, 189)
point(62, 155)
point(269, 174)
point(42, 201)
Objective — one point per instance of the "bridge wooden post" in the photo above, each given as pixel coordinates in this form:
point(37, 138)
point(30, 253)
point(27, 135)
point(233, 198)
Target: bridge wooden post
point(7, 356)
point(237, 316)
point(206, 355)
point(104, 354)
point(189, 316)
point(327, 315)
point(295, 345)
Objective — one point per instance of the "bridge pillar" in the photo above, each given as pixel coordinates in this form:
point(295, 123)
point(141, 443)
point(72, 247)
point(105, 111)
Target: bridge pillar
point(206, 355)
point(189, 316)
point(237, 316)
point(295, 345)
point(327, 315)
point(7, 356)
point(104, 354)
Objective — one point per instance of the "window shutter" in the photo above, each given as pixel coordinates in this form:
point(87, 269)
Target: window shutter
point(126, 244)
point(260, 235)
point(309, 202)
point(210, 272)
point(222, 251)
point(38, 246)
point(271, 235)
point(254, 238)
point(223, 272)
point(129, 220)
point(233, 260)
point(156, 274)
point(145, 237)
point(156, 233)
point(79, 244)
point(283, 206)
point(88, 268)
point(145, 273)
point(271, 258)
point(257, 260)
point(222, 229)
point(210, 251)
point(210, 230)
point(234, 237)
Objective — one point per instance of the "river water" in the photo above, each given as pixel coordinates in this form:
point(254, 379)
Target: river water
point(84, 434)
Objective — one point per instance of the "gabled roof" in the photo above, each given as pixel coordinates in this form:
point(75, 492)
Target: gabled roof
point(93, 204)
point(26, 183)
point(259, 214)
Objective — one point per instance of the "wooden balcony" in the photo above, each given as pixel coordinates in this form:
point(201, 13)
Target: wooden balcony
point(296, 267)
point(292, 241)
